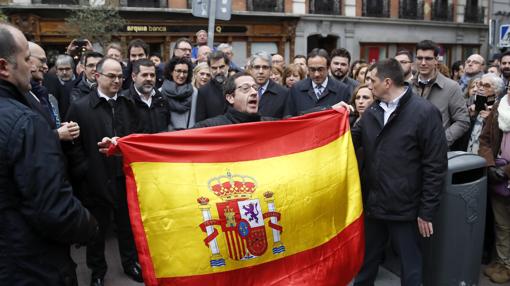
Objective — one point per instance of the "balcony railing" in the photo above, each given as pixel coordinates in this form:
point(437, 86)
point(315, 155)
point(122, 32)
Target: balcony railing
point(265, 5)
point(411, 9)
point(442, 10)
point(376, 8)
point(144, 3)
point(58, 2)
point(325, 7)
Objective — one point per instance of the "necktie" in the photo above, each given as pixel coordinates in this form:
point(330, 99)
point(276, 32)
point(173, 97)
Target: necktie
point(111, 102)
point(261, 91)
point(318, 91)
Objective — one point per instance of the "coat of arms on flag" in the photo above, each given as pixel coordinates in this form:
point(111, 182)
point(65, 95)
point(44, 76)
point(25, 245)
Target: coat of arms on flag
point(256, 204)
point(241, 219)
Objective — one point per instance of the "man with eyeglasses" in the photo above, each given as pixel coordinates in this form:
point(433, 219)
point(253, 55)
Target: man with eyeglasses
point(406, 61)
point(211, 100)
point(272, 96)
point(44, 103)
point(240, 91)
point(442, 92)
point(182, 48)
point(318, 91)
point(473, 68)
point(87, 79)
point(104, 113)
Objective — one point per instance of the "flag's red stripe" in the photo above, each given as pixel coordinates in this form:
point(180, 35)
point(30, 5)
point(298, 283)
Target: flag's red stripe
point(334, 263)
point(144, 255)
point(238, 142)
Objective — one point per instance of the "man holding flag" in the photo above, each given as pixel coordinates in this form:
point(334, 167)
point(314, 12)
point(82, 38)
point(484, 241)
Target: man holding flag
point(404, 147)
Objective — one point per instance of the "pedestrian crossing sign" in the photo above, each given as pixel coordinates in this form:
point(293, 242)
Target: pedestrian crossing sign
point(504, 36)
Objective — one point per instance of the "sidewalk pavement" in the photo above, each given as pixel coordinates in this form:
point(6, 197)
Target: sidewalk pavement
point(116, 277)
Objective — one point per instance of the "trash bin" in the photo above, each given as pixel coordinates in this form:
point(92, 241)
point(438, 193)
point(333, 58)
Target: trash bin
point(452, 256)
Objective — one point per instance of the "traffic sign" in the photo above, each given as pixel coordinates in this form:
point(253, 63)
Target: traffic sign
point(504, 36)
point(200, 8)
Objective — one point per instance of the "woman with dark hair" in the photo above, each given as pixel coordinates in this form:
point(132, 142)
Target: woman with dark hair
point(359, 74)
point(180, 93)
point(457, 70)
point(361, 99)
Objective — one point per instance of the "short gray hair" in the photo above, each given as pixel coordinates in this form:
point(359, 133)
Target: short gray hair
point(497, 82)
point(223, 46)
point(64, 60)
point(263, 56)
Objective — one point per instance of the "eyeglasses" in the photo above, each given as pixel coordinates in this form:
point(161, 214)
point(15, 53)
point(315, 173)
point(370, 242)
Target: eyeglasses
point(43, 60)
point(319, 69)
point(258, 67)
point(246, 87)
point(113, 76)
point(473, 62)
point(180, 72)
point(427, 59)
point(485, 85)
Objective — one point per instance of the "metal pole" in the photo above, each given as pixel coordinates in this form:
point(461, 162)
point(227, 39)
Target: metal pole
point(212, 19)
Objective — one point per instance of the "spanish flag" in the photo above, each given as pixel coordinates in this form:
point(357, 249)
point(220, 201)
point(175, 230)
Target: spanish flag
point(265, 203)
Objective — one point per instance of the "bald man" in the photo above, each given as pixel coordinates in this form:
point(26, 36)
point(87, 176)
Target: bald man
point(39, 99)
point(40, 215)
point(473, 68)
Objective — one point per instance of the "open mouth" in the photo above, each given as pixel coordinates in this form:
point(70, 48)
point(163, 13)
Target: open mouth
point(252, 101)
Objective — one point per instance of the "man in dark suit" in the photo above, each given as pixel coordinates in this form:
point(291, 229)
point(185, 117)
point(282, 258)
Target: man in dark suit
point(318, 91)
point(210, 101)
point(272, 96)
point(339, 68)
point(104, 113)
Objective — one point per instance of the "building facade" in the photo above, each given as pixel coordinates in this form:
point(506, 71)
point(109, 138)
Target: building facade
point(370, 29)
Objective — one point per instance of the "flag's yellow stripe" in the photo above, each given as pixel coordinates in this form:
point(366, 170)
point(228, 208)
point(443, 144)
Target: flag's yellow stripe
point(317, 193)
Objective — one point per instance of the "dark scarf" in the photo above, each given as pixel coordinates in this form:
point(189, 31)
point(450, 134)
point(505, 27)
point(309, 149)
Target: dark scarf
point(241, 117)
point(42, 94)
point(179, 96)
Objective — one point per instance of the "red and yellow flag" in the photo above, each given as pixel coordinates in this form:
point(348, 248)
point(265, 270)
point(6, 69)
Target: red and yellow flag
point(266, 203)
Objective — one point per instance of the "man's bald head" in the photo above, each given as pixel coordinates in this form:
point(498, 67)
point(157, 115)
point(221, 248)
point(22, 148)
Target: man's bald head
point(8, 42)
point(14, 57)
point(474, 65)
point(38, 60)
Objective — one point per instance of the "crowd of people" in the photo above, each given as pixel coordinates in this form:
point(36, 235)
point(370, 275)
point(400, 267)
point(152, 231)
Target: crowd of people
point(406, 112)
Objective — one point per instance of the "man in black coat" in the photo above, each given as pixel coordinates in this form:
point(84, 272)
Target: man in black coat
point(272, 96)
point(40, 215)
point(104, 113)
point(317, 92)
point(404, 149)
point(339, 68)
point(61, 84)
point(87, 80)
point(153, 108)
point(210, 100)
point(241, 94)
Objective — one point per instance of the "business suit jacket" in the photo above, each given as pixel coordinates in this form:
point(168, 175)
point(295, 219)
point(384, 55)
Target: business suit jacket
point(302, 98)
point(210, 101)
point(273, 100)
